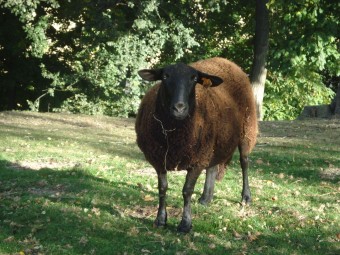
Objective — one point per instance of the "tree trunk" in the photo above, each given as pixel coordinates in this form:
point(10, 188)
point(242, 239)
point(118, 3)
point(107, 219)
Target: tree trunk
point(259, 71)
point(337, 102)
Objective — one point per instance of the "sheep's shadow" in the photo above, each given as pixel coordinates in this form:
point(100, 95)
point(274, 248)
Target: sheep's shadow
point(71, 202)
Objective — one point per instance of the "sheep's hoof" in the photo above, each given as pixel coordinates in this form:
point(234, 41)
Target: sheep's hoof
point(246, 200)
point(184, 227)
point(160, 222)
point(204, 201)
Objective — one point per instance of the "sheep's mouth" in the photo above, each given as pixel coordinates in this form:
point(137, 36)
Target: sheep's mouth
point(179, 116)
point(179, 110)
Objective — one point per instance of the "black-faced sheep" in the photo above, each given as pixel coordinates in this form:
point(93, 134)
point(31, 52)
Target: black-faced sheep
point(194, 119)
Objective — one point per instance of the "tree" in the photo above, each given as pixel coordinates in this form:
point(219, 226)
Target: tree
point(89, 51)
point(336, 103)
point(82, 56)
point(20, 74)
point(259, 71)
point(304, 43)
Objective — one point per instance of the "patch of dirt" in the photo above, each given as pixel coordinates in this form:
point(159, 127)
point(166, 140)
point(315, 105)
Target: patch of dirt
point(320, 131)
point(62, 120)
point(145, 171)
point(38, 165)
point(330, 173)
point(151, 171)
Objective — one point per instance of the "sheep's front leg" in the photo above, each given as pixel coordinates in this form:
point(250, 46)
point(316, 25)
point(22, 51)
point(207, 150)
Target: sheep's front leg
point(162, 188)
point(188, 189)
point(209, 185)
point(246, 196)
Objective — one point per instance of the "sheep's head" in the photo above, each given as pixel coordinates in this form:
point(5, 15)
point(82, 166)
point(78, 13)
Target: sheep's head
point(178, 86)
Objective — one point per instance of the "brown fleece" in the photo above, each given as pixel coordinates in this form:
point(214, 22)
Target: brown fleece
point(224, 118)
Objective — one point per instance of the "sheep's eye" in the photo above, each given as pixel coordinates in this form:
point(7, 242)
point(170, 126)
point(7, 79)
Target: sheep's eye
point(194, 78)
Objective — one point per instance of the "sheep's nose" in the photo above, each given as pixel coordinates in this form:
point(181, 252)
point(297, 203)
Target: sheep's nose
point(179, 107)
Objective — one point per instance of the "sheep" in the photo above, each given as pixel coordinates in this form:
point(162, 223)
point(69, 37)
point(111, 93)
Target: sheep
point(194, 119)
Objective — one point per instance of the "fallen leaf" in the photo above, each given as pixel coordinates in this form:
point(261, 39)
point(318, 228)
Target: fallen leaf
point(253, 237)
point(228, 245)
point(148, 198)
point(68, 246)
point(133, 231)
point(296, 193)
point(212, 246)
point(192, 246)
point(83, 240)
point(338, 236)
point(9, 239)
point(237, 235)
point(42, 183)
point(96, 211)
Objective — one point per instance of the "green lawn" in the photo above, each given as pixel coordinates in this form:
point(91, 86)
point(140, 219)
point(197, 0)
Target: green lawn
point(74, 184)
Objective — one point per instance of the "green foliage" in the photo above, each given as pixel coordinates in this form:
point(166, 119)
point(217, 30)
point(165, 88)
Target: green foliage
point(303, 46)
point(89, 52)
point(309, 36)
point(110, 63)
point(286, 96)
point(34, 25)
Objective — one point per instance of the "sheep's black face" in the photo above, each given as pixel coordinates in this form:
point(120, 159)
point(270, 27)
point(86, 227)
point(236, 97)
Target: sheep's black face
point(178, 83)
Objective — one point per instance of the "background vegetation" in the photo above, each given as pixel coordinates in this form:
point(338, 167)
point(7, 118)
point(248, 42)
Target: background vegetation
point(75, 184)
point(82, 56)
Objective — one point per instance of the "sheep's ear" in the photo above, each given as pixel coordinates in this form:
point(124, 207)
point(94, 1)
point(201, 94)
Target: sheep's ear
point(151, 74)
point(208, 80)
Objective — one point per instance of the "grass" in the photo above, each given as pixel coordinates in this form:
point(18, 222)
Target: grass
point(72, 184)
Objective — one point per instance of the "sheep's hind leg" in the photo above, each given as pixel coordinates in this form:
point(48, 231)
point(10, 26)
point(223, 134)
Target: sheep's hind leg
point(209, 185)
point(246, 196)
point(162, 188)
point(188, 188)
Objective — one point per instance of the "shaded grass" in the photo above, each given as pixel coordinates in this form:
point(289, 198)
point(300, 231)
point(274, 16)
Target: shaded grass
point(72, 184)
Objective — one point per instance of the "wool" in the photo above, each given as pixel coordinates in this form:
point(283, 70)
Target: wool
point(224, 117)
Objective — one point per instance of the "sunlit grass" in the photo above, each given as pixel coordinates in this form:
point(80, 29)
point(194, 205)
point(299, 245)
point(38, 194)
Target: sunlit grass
point(72, 184)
